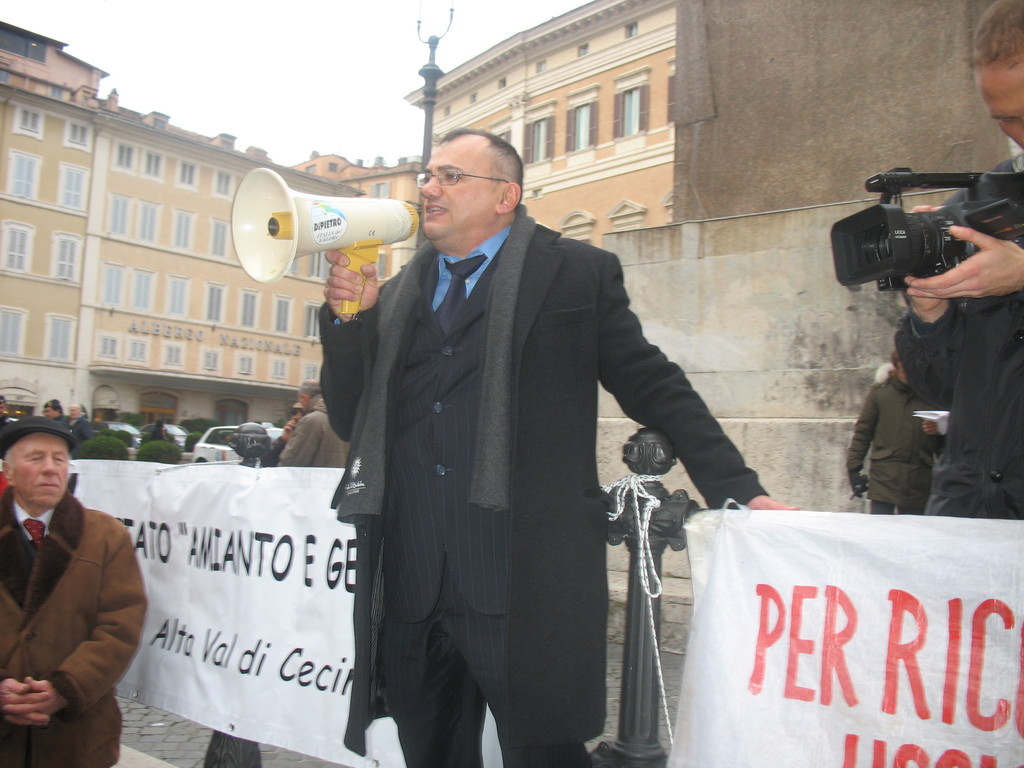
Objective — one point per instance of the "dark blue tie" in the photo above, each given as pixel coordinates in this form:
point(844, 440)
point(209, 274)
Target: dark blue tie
point(452, 302)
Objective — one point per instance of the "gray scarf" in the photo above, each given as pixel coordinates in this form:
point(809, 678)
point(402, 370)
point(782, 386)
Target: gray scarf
point(363, 485)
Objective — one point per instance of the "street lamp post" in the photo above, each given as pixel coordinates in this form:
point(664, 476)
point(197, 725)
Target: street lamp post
point(431, 73)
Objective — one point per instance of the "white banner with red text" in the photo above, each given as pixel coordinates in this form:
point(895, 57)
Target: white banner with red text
point(835, 640)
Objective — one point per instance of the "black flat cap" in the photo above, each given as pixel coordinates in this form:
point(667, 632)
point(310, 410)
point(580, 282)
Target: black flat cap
point(31, 425)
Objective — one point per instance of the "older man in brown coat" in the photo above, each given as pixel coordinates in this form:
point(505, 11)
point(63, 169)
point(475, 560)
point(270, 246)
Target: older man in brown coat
point(72, 606)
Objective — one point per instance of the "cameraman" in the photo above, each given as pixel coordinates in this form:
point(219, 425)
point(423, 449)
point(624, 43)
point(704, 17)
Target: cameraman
point(963, 342)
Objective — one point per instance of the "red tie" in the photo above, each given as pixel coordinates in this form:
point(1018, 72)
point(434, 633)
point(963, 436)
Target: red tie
point(36, 529)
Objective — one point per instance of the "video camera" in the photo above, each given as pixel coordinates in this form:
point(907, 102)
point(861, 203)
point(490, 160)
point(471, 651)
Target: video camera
point(885, 244)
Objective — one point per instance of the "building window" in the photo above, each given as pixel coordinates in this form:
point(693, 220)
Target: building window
point(142, 291)
point(223, 184)
point(17, 245)
point(147, 222)
point(119, 211)
point(30, 123)
point(582, 50)
point(154, 165)
point(211, 360)
point(113, 285)
point(332, 167)
point(473, 97)
point(58, 347)
point(219, 238)
point(187, 174)
point(214, 302)
point(317, 265)
point(631, 111)
point(542, 66)
point(311, 371)
point(247, 318)
point(125, 157)
point(10, 331)
point(108, 347)
point(245, 365)
point(581, 128)
point(78, 135)
point(632, 29)
point(231, 412)
point(278, 369)
point(73, 188)
point(282, 314)
point(138, 351)
point(183, 229)
point(173, 356)
point(312, 321)
point(540, 140)
point(177, 296)
point(381, 189)
point(502, 83)
point(65, 265)
point(24, 175)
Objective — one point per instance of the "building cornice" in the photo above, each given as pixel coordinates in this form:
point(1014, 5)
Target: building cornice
point(552, 34)
point(178, 380)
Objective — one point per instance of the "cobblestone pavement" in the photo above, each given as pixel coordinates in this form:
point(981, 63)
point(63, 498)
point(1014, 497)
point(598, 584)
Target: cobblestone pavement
point(182, 743)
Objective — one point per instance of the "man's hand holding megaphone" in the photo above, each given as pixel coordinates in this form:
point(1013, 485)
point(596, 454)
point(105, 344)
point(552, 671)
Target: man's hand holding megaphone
point(345, 285)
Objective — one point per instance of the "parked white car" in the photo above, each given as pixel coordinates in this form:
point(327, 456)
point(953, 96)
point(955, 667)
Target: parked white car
point(218, 444)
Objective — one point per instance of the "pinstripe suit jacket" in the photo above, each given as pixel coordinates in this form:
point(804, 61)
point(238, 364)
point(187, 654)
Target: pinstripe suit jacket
point(573, 331)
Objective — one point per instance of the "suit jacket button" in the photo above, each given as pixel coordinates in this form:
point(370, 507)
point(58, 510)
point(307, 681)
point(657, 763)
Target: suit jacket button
point(438, 407)
point(996, 476)
point(30, 636)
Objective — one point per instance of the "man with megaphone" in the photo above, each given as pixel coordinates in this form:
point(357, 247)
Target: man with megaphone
point(468, 387)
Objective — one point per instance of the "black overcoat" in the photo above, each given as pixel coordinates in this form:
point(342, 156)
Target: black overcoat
point(573, 330)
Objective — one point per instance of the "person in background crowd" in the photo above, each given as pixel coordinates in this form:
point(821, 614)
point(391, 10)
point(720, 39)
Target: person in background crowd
point(901, 449)
point(72, 605)
point(80, 427)
point(472, 477)
point(273, 457)
point(52, 409)
point(313, 443)
point(5, 417)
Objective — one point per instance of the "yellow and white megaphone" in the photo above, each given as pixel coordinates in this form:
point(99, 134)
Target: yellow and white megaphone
point(273, 224)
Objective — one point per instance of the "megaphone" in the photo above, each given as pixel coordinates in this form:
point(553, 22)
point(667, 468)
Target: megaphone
point(273, 224)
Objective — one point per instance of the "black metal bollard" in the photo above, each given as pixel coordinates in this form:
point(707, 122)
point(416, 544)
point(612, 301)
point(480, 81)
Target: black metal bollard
point(638, 744)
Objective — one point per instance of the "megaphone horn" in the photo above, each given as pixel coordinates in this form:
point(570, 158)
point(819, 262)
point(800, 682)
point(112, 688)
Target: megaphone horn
point(273, 224)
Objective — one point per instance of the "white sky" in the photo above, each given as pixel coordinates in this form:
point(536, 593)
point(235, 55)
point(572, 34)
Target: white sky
point(288, 77)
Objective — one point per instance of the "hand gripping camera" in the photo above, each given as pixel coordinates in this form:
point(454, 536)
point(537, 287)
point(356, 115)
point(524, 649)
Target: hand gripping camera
point(885, 244)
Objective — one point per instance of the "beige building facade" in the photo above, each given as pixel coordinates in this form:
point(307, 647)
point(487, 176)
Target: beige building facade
point(586, 98)
point(120, 288)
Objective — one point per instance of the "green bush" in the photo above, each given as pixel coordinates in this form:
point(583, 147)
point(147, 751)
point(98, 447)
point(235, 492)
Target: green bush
point(192, 438)
point(160, 452)
point(104, 446)
point(135, 419)
point(198, 424)
point(120, 434)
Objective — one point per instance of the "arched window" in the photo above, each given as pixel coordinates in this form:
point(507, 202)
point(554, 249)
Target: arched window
point(231, 412)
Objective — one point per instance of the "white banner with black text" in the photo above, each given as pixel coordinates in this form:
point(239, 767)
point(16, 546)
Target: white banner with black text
point(249, 577)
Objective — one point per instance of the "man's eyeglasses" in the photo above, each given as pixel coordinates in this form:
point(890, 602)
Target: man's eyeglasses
point(447, 178)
